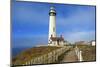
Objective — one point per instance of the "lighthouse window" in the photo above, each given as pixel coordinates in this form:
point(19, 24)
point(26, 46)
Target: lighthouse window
point(52, 14)
point(53, 29)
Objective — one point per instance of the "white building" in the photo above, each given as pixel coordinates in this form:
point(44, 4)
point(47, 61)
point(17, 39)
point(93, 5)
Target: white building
point(56, 41)
point(93, 43)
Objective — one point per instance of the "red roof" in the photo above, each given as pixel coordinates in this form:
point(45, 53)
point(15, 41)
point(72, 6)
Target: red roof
point(57, 38)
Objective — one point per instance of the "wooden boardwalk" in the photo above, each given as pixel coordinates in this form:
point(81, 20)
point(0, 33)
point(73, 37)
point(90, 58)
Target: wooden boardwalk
point(70, 56)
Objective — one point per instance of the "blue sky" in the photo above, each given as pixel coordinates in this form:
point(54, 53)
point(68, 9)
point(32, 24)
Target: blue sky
point(30, 23)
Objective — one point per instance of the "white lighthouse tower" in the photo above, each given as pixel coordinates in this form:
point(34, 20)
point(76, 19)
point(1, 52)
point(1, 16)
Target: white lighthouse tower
point(52, 24)
point(53, 40)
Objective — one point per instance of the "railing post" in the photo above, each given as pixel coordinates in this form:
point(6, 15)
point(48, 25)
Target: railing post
point(81, 58)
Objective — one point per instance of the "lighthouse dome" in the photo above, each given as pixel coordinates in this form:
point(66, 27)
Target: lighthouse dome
point(52, 9)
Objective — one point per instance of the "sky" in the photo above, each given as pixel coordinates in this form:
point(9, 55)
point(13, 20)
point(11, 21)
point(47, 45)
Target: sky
point(30, 23)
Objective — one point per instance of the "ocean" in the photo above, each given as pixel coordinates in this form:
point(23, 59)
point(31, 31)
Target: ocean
point(16, 51)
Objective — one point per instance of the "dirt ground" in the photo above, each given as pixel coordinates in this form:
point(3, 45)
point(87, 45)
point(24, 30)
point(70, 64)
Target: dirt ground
point(70, 56)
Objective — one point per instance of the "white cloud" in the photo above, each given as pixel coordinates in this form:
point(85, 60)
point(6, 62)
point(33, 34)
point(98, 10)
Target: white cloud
point(79, 36)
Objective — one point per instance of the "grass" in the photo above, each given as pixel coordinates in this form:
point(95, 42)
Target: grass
point(88, 52)
point(28, 54)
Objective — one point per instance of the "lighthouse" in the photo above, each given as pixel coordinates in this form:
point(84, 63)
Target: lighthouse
point(53, 40)
point(52, 24)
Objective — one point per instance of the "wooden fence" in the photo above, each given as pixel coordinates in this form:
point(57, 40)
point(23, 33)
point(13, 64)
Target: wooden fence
point(79, 54)
point(51, 57)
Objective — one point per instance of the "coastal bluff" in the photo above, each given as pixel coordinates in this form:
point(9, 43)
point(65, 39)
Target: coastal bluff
point(40, 55)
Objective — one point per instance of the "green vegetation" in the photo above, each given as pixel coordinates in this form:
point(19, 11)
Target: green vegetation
point(32, 53)
point(88, 52)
